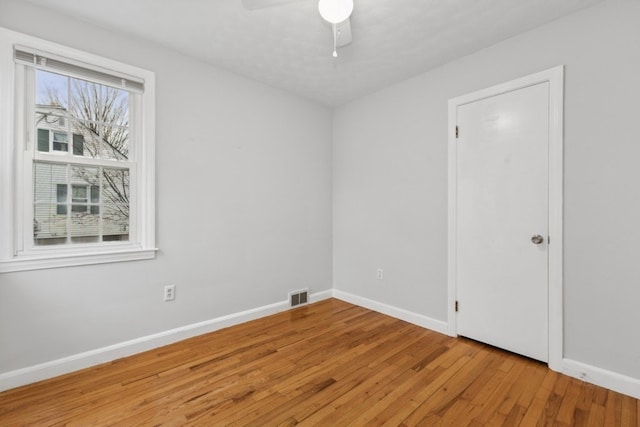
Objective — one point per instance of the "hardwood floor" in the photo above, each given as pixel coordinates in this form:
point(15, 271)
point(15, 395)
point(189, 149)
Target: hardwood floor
point(327, 364)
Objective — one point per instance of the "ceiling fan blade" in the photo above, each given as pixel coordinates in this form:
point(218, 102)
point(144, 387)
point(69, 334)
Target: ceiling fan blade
point(344, 33)
point(261, 4)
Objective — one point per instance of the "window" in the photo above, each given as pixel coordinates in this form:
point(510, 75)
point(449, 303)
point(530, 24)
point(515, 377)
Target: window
point(61, 198)
point(78, 145)
point(60, 141)
point(80, 191)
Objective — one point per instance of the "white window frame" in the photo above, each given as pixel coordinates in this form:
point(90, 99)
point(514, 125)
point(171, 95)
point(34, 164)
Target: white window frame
point(17, 146)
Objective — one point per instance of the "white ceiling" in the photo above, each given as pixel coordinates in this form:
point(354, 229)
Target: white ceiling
point(289, 46)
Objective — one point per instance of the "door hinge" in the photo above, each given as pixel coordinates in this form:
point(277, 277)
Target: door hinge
point(456, 306)
point(456, 132)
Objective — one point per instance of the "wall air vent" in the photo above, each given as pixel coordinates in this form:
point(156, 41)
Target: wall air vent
point(300, 297)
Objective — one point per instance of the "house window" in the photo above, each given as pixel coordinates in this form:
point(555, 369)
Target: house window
point(85, 198)
point(84, 184)
point(78, 145)
point(60, 141)
point(61, 199)
point(43, 140)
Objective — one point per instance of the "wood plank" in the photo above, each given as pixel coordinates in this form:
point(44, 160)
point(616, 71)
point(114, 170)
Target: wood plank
point(329, 363)
point(569, 404)
point(536, 409)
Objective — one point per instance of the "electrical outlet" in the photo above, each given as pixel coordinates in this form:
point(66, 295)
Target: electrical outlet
point(170, 292)
point(379, 274)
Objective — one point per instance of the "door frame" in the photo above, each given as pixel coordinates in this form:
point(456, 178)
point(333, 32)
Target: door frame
point(555, 78)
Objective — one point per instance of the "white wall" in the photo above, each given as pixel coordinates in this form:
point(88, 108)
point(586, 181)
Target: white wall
point(243, 208)
point(390, 180)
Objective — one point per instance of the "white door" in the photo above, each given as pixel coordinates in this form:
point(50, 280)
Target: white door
point(502, 153)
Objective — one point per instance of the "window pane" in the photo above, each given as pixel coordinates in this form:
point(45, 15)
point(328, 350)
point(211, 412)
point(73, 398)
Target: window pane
point(95, 194)
point(51, 110)
point(43, 140)
point(115, 223)
point(52, 89)
point(61, 196)
point(46, 179)
point(60, 146)
point(115, 188)
point(78, 208)
point(115, 143)
point(50, 120)
point(61, 137)
point(78, 145)
point(60, 141)
point(115, 204)
point(84, 224)
point(96, 140)
point(82, 176)
point(86, 138)
point(50, 209)
point(79, 193)
point(48, 226)
point(61, 193)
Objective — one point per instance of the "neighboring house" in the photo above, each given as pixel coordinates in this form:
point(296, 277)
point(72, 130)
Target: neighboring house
point(77, 203)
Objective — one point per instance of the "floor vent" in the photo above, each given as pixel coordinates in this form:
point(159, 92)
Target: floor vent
point(297, 298)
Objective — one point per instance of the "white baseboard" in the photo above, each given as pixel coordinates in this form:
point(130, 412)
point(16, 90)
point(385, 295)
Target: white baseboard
point(319, 296)
point(75, 362)
point(398, 313)
point(591, 374)
point(601, 377)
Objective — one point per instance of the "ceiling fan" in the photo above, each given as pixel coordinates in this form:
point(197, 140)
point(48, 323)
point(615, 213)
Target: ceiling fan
point(335, 12)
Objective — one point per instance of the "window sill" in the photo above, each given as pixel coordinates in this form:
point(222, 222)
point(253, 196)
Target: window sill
point(72, 260)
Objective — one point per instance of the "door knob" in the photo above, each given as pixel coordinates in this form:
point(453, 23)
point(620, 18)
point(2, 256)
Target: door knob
point(537, 239)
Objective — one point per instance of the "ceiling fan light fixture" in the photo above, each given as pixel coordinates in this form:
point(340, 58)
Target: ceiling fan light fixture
point(335, 11)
